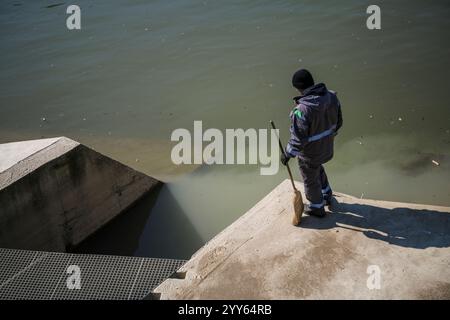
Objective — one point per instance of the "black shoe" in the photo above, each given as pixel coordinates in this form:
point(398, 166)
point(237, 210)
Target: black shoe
point(316, 212)
point(329, 199)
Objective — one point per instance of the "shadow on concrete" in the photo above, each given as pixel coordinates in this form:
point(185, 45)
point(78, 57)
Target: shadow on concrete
point(156, 226)
point(404, 227)
point(169, 233)
point(120, 236)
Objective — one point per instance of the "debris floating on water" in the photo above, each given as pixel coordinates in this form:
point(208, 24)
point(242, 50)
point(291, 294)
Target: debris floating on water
point(54, 5)
point(435, 162)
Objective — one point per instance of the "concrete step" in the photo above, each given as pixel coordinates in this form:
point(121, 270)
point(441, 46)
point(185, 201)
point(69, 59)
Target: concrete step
point(362, 249)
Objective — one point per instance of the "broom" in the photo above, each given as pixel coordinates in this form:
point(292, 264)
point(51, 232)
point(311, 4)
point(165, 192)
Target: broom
point(298, 201)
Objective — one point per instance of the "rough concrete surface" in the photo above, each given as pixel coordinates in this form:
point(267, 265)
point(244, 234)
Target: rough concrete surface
point(14, 152)
point(58, 192)
point(262, 256)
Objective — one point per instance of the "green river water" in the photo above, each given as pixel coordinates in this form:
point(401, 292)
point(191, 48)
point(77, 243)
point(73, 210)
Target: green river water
point(137, 70)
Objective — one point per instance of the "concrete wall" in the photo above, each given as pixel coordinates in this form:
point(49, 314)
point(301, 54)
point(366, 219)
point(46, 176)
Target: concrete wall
point(56, 197)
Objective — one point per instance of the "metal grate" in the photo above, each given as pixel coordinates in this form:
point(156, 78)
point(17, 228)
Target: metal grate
point(42, 275)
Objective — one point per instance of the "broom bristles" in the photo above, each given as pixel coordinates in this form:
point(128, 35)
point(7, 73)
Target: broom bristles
point(298, 208)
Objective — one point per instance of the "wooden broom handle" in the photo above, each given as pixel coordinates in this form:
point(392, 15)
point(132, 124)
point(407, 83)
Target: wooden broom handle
point(282, 150)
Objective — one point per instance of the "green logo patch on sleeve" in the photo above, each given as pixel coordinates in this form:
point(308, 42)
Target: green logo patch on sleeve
point(298, 113)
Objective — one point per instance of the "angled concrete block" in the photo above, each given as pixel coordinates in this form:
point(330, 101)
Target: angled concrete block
point(56, 192)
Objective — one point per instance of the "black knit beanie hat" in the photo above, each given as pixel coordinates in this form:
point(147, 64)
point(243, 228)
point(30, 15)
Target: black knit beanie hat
point(302, 79)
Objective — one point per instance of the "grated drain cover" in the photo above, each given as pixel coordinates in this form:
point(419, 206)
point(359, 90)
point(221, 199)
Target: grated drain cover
point(39, 275)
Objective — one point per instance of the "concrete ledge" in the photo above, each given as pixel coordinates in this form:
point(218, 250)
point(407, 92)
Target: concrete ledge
point(262, 256)
point(56, 192)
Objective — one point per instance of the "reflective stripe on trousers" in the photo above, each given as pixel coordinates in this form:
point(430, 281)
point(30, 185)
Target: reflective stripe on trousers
point(317, 205)
point(326, 190)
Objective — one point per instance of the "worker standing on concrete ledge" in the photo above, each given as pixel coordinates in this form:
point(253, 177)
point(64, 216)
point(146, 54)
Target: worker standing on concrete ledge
point(315, 121)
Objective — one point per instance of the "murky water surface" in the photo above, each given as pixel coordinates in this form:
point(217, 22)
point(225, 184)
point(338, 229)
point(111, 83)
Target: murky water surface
point(140, 69)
